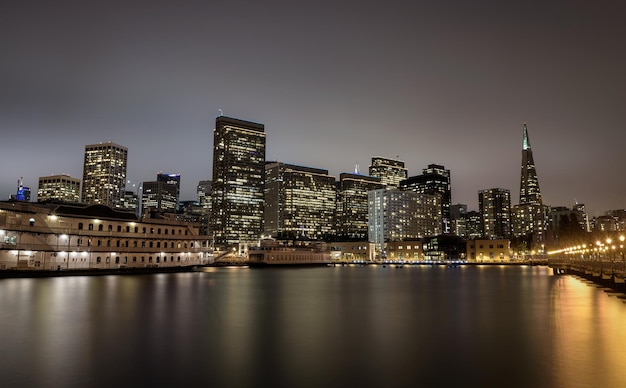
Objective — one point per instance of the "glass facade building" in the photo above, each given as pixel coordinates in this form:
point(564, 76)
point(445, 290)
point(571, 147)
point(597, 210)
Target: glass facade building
point(104, 174)
point(390, 171)
point(299, 202)
point(59, 188)
point(238, 184)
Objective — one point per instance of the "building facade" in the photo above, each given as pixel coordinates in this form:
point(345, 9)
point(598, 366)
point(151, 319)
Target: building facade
point(399, 215)
point(489, 250)
point(299, 202)
point(352, 205)
point(162, 195)
point(58, 188)
point(238, 181)
point(435, 180)
point(67, 237)
point(390, 171)
point(104, 174)
point(495, 208)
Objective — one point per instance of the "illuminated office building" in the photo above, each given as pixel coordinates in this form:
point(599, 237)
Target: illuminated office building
point(299, 202)
point(104, 174)
point(390, 171)
point(238, 181)
point(58, 188)
point(495, 208)
point(162, 195)
point(435, 180)
point(352, 205)
point(400, 215)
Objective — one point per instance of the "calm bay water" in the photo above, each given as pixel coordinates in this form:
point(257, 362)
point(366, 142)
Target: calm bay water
point(313, 327)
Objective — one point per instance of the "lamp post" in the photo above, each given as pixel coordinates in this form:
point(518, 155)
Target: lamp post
point(609, 255)
point(621, 250)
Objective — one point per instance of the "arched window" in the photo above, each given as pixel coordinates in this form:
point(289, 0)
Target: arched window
point(80, 226)
point(100, 227)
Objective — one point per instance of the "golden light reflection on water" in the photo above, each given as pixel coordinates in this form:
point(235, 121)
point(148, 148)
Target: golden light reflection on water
point(588, 331)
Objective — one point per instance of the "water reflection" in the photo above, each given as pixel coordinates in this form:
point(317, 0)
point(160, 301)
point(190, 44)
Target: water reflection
point(344, 326)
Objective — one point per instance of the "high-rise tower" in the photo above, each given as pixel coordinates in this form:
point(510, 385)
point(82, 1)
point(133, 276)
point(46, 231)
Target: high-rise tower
point(530, 215)
point(495, 209)
point(299, 201)
point(104, 174)
point(390, 171)
point(435, 180)
point(238, 181)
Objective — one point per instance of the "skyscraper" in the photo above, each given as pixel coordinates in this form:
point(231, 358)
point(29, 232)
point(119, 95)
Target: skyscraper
point(435, 180)
point(399, 215)
point(530, 216)
point(495, 209)
point(61, 188)
point(299, 202)
point(390, 171)
point(104, 174)
point(238, 181)
point(162, 195)
point(352, 205)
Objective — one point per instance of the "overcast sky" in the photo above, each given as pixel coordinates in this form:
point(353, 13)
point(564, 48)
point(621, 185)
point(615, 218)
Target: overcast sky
point(335, 82)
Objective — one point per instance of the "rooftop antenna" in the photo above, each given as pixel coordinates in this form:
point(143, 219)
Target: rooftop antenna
point(221, 112)
point(356, 169)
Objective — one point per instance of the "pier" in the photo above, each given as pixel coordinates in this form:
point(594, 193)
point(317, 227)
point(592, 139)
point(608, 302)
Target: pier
point(609, 273)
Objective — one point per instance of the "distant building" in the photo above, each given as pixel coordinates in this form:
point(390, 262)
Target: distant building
point(162, 195)
point(104, 174)
point(130, 201)
point(58, 188)
point(398, 215)
point(408, 250)
point(435, 180)
point(352, 251)
point(238, 181)
point(352, 205)
point(390, 171)
point(581, 216)
point(299, 202)
point(530, 216)
point(495, 207)
point(489, 250)
point(22, 194)
point(204, 200)
point(445, 247)
point(203, 192)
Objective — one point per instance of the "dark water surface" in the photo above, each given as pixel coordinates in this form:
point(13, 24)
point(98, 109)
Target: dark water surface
point(313, 327)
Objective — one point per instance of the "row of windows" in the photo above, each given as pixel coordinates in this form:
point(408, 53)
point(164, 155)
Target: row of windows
point(157, 259)
point(135, 229)
point(151, 244)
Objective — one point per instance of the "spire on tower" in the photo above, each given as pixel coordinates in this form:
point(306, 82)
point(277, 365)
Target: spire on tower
point(525, 142)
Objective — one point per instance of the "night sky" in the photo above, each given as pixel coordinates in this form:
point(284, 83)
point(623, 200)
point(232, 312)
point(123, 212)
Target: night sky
point(335, 83)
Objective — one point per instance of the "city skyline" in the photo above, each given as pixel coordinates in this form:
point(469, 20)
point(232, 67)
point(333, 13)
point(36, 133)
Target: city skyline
point(447, 84)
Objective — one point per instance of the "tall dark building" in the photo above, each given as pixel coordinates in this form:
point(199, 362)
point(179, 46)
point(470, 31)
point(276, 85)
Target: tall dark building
point(495, 209)
point(390, 171)
point(435, 180)
point(352, 205)
point(162, 195)
point(530, 216)
point(238, 181)
point(299, 202)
